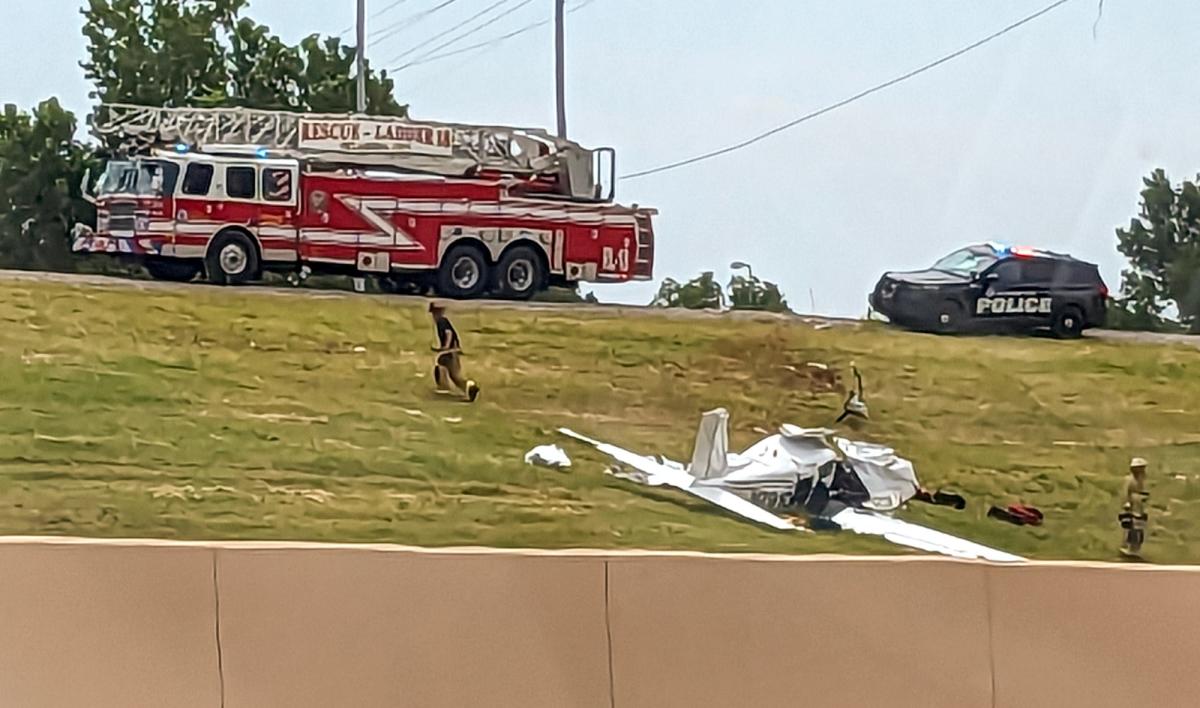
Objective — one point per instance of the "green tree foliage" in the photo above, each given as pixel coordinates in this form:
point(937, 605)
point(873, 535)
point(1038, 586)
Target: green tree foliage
point(1163, 247)
point(41, 169)
point(324, 86)
point(204, 53)
point(705, 293)
point(701, 293)
point(158, 52)
point(752, 293)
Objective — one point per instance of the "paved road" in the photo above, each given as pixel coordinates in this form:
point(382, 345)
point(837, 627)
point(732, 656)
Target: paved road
point(611, 310)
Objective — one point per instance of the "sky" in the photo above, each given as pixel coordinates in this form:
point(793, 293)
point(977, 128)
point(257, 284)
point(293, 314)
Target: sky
point(1039, 138)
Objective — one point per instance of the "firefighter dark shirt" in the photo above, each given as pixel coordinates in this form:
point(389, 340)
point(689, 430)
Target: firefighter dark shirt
point(444, 326)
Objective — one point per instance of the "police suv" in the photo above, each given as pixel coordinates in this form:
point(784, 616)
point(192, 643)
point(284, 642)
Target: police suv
point(991, 287)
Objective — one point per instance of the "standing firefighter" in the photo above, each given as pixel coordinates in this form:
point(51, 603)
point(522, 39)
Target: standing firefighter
point(1133, 514)
point(447, 366)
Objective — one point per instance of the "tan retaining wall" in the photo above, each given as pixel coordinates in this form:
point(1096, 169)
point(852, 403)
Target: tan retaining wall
point(107, 625)
point(129, 623)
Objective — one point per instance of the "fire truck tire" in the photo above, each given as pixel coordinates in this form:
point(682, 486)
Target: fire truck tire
point(463, 273)
point(174, 271)
point(232, 259)
point(520, 275)
point(399, 286)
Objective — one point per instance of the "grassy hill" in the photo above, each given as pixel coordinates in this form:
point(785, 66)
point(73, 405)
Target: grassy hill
point(238, 413)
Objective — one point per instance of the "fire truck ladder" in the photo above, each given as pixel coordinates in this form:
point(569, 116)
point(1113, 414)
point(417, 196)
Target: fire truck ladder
point(446, 149)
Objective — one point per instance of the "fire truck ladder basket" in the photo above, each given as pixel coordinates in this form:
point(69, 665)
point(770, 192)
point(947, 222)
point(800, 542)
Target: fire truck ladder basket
point(371, 141)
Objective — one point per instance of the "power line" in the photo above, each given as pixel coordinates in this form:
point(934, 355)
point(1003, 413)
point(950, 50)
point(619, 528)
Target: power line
point(466, 34)
point(386, 10)
point(376, 15)
point(491, 42)
point(863, 94)
point(445, 32)
point(405, 22)
point(418, 83)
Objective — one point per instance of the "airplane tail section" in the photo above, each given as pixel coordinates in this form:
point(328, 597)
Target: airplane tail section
point(710, 455)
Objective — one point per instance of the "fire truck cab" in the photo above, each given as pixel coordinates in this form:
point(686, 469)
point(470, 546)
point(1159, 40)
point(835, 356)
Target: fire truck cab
point(460, 210)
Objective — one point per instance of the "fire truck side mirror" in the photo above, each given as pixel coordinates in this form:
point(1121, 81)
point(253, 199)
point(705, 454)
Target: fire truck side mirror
point(604, 173)
point(85, 189)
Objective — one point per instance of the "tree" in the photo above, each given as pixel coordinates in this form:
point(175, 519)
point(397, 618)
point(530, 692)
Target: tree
point(751, 293)
point(1163, 247)
point(264, 72)
point(41, 168)
point(325, 84)
point(158, 52)
point(701, 293)
point(204, 53)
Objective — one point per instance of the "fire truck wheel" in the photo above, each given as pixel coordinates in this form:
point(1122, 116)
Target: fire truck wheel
point(519, 274)
point(463, 273)
point(174, 271)
point(231, 259)
point(399, 286)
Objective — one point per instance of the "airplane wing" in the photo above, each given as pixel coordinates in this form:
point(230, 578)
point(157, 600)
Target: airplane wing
point(748, 510)
point(922, 538)
point(859, 521)
point(640, 463)
point(661, 474)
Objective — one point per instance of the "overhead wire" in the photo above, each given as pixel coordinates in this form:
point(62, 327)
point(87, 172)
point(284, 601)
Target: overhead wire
point(846, 101)
point(376, 15)
point(447, 31)
point(466, 34)
point(490, 42)
point(408, 21)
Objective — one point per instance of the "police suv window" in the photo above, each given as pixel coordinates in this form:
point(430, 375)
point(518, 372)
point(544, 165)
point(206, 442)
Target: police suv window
point(197, 179)
point(1038, 272)
point(1007, 274)
point(1082, 275)
point(277, 185)
point(239, 182)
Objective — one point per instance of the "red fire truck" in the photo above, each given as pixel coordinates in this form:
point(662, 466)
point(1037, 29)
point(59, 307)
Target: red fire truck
point(465, 211)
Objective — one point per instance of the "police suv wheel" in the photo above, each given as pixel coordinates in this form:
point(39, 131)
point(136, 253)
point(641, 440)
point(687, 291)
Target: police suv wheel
point(947, 317)
point(519, 274)
point(463, 273)
point(231, 259)
point(1067, 323)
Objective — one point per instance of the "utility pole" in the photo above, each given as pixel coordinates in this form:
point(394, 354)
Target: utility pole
point(361, 59)
point(360, 284)
point(559, 73)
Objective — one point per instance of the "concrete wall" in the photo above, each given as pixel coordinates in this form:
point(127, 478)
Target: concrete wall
point(248, 624)
point(107, 625)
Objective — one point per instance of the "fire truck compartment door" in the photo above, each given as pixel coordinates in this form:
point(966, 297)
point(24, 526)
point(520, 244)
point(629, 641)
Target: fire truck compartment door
point(276, 223)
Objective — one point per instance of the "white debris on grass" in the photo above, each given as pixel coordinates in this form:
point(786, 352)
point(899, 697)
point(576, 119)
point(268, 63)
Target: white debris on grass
point(548, 456)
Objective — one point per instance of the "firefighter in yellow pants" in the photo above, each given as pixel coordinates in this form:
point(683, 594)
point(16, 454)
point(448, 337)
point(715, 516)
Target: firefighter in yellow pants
point(448, 363)
point(1133, 513)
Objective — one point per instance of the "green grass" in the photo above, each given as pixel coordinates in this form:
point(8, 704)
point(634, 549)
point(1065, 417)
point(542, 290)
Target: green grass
point(206, 413)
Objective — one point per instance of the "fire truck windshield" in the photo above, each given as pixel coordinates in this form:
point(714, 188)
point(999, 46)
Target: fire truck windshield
point(144, 178)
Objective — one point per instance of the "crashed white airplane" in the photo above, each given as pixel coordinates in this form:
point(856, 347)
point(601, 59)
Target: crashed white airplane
point(848, 483)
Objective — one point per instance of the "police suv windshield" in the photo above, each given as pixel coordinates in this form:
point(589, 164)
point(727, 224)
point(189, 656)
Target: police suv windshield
point(966, 261)
point(145, 178)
